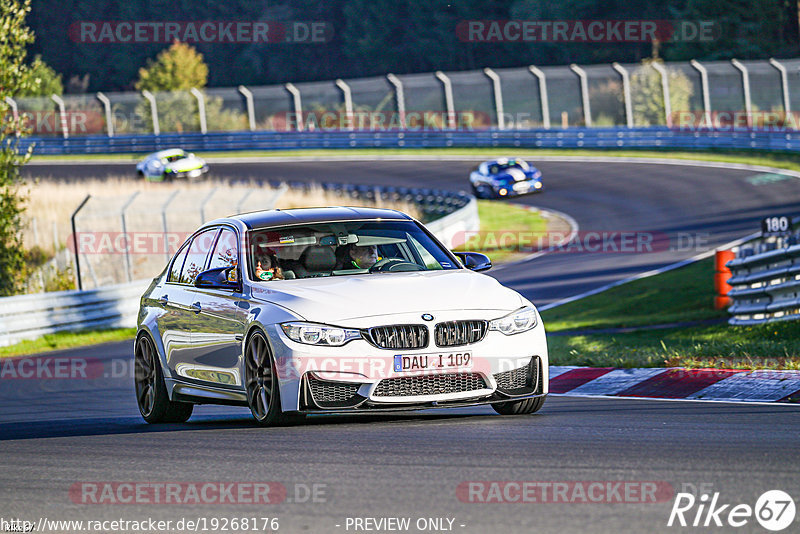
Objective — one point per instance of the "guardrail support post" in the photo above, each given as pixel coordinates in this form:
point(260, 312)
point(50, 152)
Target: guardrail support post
point(587, 111)
point(164, 221)
point(542, 95)
point(626, 92)
point(748, 108)
point(128, 269)
point(109, 116)
point(784, 83)
point(251, 111)
point(14, 113)
point(62, 114)
point(201, 108)
point(497, 89)
point(348, 102)
point(704, 89)
point(664, 91)
point(153, 110)
point(298, 104)
point(75, 240)
point(400, 98)
point(448, 99)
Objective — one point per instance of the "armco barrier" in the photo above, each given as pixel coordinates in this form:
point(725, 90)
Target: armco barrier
point(765, 287)
point(31, 316)
point(639, 138)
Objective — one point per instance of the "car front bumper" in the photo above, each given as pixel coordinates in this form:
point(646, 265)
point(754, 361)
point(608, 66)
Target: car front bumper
point(361, 377)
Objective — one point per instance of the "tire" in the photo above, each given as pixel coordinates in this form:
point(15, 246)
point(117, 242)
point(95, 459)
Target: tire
point(520, 407)
point(263, 393)
point(151, 393)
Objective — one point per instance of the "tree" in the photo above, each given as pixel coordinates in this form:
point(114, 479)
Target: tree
point(179, 67)
point(15, 78)
point(44, 81)
point(648, 95)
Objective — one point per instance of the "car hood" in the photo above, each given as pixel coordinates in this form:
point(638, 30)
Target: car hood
point(338, 298)
point(185, 164)
point(515, 175)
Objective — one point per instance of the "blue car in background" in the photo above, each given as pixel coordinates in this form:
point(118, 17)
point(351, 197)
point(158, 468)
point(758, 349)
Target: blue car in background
point(505, 177)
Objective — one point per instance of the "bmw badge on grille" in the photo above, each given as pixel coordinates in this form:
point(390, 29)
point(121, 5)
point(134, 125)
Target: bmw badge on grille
point(427, 317)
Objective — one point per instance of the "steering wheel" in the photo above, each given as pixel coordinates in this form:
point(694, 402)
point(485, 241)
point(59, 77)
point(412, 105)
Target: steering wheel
point(394, 265)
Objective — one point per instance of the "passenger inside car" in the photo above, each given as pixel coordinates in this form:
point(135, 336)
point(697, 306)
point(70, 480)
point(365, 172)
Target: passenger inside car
point(267, 267)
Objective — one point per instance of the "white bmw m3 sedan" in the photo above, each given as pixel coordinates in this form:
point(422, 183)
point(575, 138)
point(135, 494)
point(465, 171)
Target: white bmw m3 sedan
point(336, 310)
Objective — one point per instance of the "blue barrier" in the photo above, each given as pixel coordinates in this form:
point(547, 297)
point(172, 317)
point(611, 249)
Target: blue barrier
point(638, 138)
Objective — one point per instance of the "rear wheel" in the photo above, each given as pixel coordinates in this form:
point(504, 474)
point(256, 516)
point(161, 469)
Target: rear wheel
point(520, 407)
point(261, 379)
point(151, 393)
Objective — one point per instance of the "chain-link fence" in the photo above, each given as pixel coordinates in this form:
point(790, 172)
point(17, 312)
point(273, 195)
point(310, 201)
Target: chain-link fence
point(716, 93)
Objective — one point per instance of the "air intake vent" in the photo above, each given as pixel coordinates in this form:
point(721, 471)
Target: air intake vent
point(430, 385)
point(455, 333)
point(327, 394)
point(519, 381)
point(399, 336)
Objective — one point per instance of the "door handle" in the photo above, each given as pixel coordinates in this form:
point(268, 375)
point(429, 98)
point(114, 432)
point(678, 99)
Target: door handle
point(164, 300)
point(196, 307)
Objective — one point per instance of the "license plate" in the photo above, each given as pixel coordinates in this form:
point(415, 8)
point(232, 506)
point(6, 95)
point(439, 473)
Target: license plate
point(427, 362)
point(522, 186)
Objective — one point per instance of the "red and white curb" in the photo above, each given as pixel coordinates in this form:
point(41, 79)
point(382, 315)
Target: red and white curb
point(677, 383)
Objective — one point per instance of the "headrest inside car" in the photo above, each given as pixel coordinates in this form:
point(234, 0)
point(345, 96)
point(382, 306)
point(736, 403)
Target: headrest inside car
point(318, 258)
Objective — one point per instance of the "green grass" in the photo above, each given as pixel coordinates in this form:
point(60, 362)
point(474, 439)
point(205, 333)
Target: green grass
point(66, 340)
point(502, 218)
point(685, 294)
point(784, 161)
point(681, 295)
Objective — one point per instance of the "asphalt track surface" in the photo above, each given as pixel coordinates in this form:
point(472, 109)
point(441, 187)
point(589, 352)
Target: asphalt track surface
point(56, 433)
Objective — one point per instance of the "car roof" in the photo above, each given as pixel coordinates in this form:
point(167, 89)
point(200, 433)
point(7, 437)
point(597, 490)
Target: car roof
point(260, 219)
point(168, 152)
point(503, 161)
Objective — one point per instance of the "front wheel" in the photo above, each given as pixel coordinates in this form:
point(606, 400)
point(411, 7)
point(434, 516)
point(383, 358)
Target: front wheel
point(263, 393)
point(520, 407)
point(151, 393)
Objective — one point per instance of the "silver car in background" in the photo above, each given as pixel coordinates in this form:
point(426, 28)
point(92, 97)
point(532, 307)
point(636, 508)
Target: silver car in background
point(171, 164)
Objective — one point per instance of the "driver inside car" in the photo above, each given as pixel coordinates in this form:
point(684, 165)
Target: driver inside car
point(358, 257)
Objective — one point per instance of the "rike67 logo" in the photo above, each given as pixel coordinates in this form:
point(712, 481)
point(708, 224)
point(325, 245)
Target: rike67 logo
point(774, 510)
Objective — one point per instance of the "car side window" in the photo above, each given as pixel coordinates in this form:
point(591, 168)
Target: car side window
point(197, 256)
point(226, 251)
point(177, 264)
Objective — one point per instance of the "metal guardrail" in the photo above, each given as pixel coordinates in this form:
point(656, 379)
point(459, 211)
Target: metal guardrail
point(31, 316)
point(765, 284)
point(618, 137)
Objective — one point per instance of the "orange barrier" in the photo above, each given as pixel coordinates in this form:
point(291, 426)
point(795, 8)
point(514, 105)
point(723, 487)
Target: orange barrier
point(721, 276)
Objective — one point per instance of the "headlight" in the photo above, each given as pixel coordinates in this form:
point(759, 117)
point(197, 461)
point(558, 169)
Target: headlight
point(319, 334)
point(521, 320)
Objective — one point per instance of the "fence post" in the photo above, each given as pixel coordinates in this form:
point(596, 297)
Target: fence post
point(587, 111)
point(542, 95)
point(704, 88)
point(251, 112)
point(400, 98)
point(243, 200)
point(153, 110)
point(109, 116)
point(201, 108)
point(784, 83)
point(664, 91)
point(748, 108)
point(497, 90)
point(448, 99)
point(14, 113)
point(626, 92)
point(75, 240)
point(62, 113)
point(203, 205)
point(164, 221)
point(128, 269)
point(348, 101)
point(298, 104)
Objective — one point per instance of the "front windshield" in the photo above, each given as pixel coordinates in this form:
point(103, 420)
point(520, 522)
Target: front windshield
point(343, 248)
point(496, 168)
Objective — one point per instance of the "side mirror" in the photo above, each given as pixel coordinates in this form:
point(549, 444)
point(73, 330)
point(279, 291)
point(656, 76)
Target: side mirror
point(218, 278)
point(474, 261)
